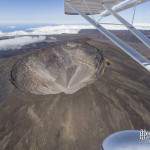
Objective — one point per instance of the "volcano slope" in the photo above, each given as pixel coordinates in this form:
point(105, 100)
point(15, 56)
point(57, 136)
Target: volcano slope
point(117, 99)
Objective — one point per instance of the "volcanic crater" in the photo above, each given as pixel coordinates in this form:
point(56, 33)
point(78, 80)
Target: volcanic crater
point(64, 68)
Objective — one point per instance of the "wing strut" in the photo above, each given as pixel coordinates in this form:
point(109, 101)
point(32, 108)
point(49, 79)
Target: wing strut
point(143, 61)
point(145, 40)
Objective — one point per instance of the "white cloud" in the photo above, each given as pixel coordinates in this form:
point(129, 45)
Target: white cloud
point(14, 33)
point(59, 29)
point(68, 29)
point(50, 30)
point(18, 42)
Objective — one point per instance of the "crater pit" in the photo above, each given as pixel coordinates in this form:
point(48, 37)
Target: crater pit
point(65, 67)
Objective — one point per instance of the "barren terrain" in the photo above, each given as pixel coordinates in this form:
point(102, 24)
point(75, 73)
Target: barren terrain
point(118, 100)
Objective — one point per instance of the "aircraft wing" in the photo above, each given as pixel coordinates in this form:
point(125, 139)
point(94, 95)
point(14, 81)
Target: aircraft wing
point(111, 7)
point(124, 5)
point(91, 7)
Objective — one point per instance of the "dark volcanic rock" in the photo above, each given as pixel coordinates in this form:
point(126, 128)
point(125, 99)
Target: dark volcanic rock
point(118, 100)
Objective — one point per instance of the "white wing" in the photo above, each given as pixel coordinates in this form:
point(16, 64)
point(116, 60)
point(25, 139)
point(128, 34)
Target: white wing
point(91, 7)
point(105, 8)
point(124, 5)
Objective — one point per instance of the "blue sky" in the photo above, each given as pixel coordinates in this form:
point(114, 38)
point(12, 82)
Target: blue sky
point(52, 12)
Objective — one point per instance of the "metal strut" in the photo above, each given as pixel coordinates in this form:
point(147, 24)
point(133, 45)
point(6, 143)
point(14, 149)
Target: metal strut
point(143, 61)
point(145, 40)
